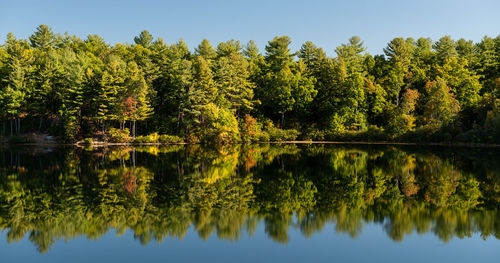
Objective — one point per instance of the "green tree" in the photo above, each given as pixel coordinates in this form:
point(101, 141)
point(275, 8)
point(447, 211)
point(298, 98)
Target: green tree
point(350, 53)
point(140, 93)
point(251, 50)
point(282, 82)
point(463, 83)
point(400, 52)
point(144, 39)
point(15, 86)
point(43, 37)
point(206, 50)
point(235, 89)
point(229, 47)
point(441, 107)
point(445, 48)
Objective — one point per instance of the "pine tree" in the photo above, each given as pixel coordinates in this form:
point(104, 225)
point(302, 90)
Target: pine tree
point(445, 48)
point(206, 51)
point(144, 39)
point(400, 52)
point(251, 50)
point(350, 53)
point(43, 37)
point(15, 85)
point(235, 89)
point(140, 94)
point(282, 86)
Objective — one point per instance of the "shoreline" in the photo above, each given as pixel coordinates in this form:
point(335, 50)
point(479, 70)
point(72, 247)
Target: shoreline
point(106, 144)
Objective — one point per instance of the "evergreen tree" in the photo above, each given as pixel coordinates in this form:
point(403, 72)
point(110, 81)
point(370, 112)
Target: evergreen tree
point(445, 48)
point(206, 50)
point(16, 84)
point(400, 52)
point(144, 39)
point(229, 47)
point(235, 88)
point(43, 37)
point(251, 50)
point(282, 87)
point(350, 53)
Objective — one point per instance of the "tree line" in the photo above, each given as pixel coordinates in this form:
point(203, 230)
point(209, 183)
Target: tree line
point(62, 85)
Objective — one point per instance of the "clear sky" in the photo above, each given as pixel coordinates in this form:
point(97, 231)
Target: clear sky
point(326, 23)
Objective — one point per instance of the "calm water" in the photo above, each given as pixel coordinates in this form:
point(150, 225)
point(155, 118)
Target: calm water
point(251, 203)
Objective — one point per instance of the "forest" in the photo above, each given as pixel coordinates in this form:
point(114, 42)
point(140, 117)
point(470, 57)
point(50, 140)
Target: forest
point(418, 90)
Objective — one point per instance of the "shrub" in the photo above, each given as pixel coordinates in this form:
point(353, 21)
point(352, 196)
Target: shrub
point(88, 141)
point(263, 137)
point(277, 134)
point(152, 138)
point(140, 139)
point(251, 130)
point(314, 135)
point(193, 138)
point(401, 124)
point(164, 138)
point(156, 138)
point(219, 126)
point(119, 136)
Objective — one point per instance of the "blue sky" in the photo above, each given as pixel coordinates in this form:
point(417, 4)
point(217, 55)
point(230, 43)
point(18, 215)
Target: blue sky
point(327, 23)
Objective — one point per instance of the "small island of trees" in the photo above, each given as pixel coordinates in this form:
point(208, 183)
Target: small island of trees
point(150, 91)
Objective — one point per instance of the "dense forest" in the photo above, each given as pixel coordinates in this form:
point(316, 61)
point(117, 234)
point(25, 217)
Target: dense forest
point(418, 90)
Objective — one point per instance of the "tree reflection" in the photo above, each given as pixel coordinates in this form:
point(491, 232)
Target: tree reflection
point(159, 192)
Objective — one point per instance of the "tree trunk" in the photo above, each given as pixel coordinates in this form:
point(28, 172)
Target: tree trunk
point(133, 128)
point(133, 125)
point(11, 130)
point(18, 125)
point(178, 122)
point(135, 109)
point(397, 95)
point(282, 120)
point(40, 125)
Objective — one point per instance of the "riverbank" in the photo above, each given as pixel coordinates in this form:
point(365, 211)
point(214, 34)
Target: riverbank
point(109, 144)
point(44, 140)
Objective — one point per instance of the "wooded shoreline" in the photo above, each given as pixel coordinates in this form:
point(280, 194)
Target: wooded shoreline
point(417, 91)
point(110, 144)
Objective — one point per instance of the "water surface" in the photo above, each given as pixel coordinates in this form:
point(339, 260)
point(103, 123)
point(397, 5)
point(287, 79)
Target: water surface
point(248, 203)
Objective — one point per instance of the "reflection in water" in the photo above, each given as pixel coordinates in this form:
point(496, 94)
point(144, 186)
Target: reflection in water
point(159, 192)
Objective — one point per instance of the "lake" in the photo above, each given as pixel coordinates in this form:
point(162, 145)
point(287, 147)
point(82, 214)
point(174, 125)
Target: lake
point(250, 203)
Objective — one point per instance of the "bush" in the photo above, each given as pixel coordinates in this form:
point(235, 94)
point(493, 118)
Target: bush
point(153, 138)
point(140, 139)
point(118, 136)
point(193, 138)
point(372, 134)
point(263, 137)
point(88, 141)
point(219, 127)
point(251, 130)
point(314, 135)
point(164, 138)
point(277, 134)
